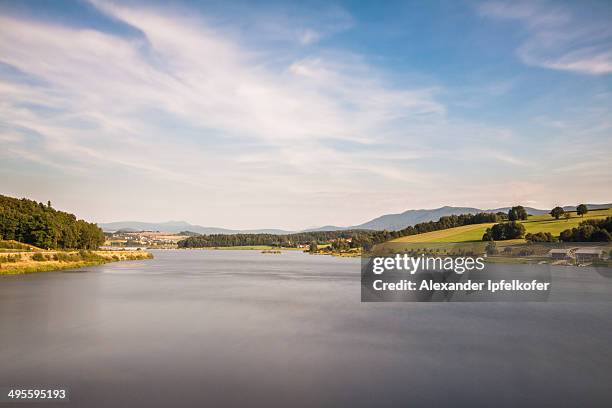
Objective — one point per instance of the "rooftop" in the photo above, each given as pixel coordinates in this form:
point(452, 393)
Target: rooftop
point(559, 251)
point(589, 251)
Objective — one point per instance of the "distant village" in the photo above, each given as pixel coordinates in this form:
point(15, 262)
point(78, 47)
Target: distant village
point(143, 239)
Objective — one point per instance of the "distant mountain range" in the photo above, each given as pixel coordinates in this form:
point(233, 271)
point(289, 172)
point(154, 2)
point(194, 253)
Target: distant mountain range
point(391, 222)
point(179, 226)
point(395, 222)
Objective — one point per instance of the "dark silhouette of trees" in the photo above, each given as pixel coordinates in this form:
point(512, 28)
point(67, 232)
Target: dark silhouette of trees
point(540, 237)
point(517, 213)
point(557, 212)
point(504, 231)
point(589, 231)
point(581, 210)
point(502, 216)
point(512, 215)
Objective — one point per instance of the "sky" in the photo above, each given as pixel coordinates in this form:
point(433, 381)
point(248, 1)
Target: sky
point(291, 115)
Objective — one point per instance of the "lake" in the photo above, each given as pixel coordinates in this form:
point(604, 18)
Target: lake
point(242, 328)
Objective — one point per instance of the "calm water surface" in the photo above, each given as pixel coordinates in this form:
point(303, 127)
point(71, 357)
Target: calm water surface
point(241, 328)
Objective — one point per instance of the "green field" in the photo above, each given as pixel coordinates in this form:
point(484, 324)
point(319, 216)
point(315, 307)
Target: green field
point(539, 223)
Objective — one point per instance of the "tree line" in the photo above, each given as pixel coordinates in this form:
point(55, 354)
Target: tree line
point(558, 212)
point(284, 240)
point(587, 231)
point(358, 238)
point(41, 225)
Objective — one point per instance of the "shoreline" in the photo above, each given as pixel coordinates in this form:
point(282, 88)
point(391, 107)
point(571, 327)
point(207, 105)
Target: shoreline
point(349, 254)
point(225, 248)
point(21, 263)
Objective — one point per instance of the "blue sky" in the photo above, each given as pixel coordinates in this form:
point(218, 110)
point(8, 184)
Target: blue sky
point(292, 115)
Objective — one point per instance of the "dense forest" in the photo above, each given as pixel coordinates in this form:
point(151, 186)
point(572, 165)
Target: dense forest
point(287, 240)
point(359, 238)
point(39, 224)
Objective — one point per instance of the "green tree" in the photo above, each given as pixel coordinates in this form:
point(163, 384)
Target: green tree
point(504, 231)
point(512, 214)
point(521, 212)
point(340, 245)
point(582, 209)
point(502, 216)
point(313, 247)
point(540, 237)
point(517, 213)
point(589, 231)
point(557, 212)
point(37, 224)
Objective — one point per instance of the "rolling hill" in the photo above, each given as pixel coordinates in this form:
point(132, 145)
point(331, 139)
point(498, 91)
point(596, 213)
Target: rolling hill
point(396, 222)
point(178, 226)
point(390, 222)
point(538, 223)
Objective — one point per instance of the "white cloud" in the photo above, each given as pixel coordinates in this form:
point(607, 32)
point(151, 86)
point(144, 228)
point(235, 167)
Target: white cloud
point(590, 60)
point(198, 76)
point(558, 39)
point(103, 96)
point(533, 13)
point(183, 109)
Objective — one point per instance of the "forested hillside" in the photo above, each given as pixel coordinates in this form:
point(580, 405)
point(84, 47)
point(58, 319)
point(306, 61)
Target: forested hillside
point(38, 224)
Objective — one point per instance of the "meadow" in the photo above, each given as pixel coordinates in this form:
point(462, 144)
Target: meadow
point(539, 223)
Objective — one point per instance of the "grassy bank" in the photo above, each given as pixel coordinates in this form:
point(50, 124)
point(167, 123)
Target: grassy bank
point(16, 263)
point(16, 246)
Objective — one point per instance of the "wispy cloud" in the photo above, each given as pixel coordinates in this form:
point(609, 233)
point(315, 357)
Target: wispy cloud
point(535, 14)
point(117, 99)
point(557, 37)
point(195, 75)
point(299, 131)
